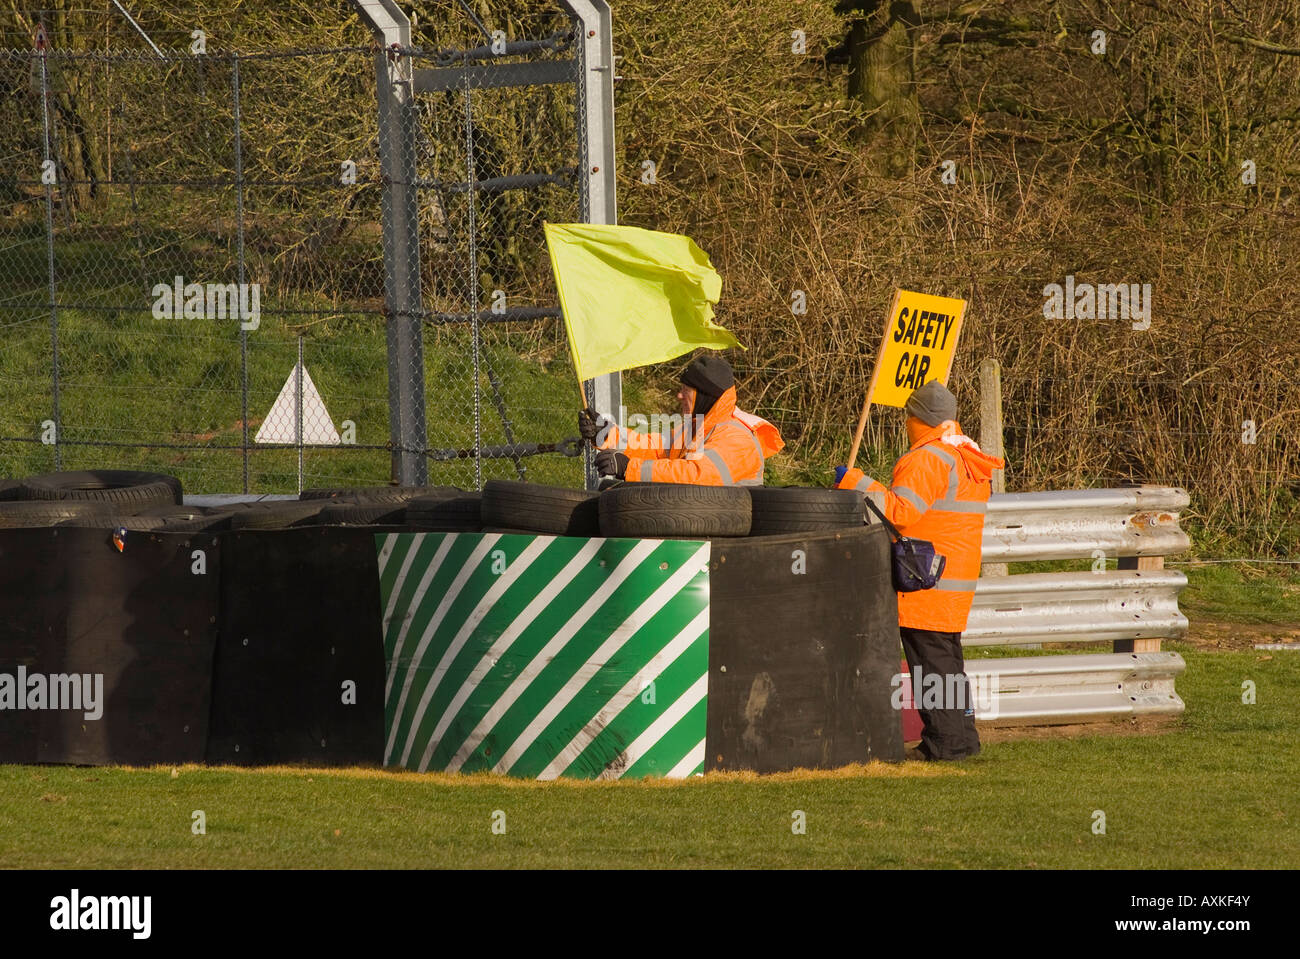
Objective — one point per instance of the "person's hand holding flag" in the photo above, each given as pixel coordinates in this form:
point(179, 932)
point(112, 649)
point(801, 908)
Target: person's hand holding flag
point(589, 423)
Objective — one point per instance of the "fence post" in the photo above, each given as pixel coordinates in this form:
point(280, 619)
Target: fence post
point(991, 435)
point(471, 201)
point(298, 375)
point(239, 244)
point(1139, 645)
point(395, 91)
point(597, 193)
point(51, 157)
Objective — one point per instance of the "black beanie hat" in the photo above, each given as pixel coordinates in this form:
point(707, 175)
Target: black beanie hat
point(709, 375)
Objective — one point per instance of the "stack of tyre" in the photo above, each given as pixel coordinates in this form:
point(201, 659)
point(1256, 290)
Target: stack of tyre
point(136, 501)
point(666, 510)
point(634, 510)
point(366, 506)
point(102, 499)
point(113, 499)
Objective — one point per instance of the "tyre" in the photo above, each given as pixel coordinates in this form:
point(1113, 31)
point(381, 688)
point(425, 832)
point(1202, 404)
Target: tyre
point(185, 519)
point(173, 512)
point(10, 490)
point(363, 514)
point(439, 514)
point(214, 522)
point(27, 514)
point(533, 507)
point(377, 494)
point(280, 514)
point(657, 510)
point(796, 509)
point(106, 516)
point(132, 522)
point(118, 487)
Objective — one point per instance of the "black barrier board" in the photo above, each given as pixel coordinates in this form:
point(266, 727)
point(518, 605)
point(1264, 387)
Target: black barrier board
point(803, 645)
point(110, 648)
point(299, 673)
point(33, 611)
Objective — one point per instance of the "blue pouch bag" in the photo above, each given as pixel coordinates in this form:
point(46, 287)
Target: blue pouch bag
point(915, 564)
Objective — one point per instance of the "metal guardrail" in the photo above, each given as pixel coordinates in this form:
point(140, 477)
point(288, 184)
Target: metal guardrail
point(1065, 689)
point(1105, 605)
point(1070, 524)
point(1076, 607)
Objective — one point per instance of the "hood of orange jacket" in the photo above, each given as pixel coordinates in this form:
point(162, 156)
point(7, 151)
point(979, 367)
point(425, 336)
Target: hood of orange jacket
point(722, 408)
point(769, 437)
point(979, 465)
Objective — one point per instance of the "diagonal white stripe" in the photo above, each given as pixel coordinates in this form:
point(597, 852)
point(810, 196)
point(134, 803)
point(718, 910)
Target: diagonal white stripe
point(453, 591)
point(413, 607)
point(670, 718)
point(507, 639)
point(413, 547)
point(688, 763)
point(625, 696)
point(504, 581)
point(597, 660)
point(385, 551)
point(622, 571)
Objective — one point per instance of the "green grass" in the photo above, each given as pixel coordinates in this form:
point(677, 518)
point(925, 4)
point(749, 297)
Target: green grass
point(1216, 792)
point(1244, 593)
point(132, 379)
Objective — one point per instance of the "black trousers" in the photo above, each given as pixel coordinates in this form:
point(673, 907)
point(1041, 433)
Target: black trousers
point(941, 693)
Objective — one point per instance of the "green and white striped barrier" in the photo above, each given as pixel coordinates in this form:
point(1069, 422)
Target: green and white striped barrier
point(545, 656)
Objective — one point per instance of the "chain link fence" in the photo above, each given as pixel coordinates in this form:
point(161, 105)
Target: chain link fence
point(181, 229)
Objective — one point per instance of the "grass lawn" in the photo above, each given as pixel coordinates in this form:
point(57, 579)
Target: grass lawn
point(1244, 593)
point(1217, 790)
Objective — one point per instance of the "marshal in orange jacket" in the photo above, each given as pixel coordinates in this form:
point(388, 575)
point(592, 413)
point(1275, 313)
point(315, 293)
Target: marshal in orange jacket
point(939, 492)
point(727, 449)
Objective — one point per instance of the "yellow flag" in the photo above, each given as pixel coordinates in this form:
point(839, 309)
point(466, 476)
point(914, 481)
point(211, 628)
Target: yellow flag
point(632, 297)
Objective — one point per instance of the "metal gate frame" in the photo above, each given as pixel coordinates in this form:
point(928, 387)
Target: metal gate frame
point(396, 86)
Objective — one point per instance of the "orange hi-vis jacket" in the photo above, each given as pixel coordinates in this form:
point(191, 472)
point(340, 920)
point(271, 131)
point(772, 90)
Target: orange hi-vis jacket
point(727, 449)
point(939, 492)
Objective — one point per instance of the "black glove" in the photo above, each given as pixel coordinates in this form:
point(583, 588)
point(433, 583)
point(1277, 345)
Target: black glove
point(589, 424)
point(611, 463)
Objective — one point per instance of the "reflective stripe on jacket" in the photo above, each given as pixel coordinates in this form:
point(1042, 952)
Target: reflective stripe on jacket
point(728, 449)
point(939, 492)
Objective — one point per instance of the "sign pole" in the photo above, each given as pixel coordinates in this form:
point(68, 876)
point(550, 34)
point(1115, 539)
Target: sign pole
point(862, 426)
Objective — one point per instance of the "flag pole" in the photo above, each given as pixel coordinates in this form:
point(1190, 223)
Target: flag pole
point(559, 286)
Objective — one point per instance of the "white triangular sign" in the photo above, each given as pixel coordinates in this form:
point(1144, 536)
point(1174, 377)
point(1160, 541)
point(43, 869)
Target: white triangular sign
point(281, 423)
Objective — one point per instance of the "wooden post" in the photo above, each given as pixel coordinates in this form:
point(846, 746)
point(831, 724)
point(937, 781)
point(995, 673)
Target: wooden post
point(991, 435)
point(857, 435)
point(1151, 645)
